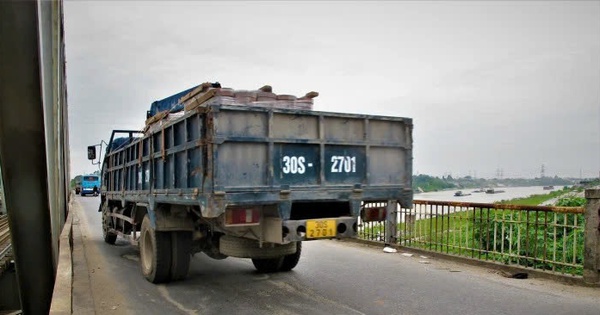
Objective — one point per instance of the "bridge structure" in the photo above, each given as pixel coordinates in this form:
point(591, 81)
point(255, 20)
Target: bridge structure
point(37, 223)
point(34, 152)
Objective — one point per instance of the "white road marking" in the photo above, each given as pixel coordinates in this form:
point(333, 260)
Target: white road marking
point(165, 293)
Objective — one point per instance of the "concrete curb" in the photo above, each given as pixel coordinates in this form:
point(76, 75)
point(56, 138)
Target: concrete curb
point(63, 285)
point(535, 273)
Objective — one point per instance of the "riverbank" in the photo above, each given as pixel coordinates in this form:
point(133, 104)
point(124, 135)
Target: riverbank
point(509, 193)
point(548, 199)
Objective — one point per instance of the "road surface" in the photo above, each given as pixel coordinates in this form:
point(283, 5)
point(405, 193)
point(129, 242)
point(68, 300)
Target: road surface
point(333, 277)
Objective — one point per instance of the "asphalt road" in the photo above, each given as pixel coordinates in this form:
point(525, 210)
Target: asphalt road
point(333, 277)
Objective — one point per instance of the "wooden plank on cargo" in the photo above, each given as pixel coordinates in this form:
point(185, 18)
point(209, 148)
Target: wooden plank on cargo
point(199, 89)
point(196, 101)
point(157, 117)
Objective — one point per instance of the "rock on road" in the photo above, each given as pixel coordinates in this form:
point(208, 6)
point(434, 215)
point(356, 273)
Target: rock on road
point(332, 277)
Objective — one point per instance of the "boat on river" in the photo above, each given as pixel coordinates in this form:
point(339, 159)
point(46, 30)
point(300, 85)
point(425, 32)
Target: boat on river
point(460, 194)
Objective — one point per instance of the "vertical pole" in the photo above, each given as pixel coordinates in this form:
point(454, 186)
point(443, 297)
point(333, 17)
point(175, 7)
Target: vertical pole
point(591, 252)
point(23, 151)
point(2, 210)
point(390, 221)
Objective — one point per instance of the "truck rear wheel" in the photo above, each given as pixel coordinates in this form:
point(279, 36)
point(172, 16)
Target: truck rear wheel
point(285, 263)
point(155, 253)
point(290, 261)
point(181, 248)
point(268, 265)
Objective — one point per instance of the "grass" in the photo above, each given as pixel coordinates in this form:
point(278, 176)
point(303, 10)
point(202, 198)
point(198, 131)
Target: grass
point(535, 200)
point(532, 200)
point(543, 240)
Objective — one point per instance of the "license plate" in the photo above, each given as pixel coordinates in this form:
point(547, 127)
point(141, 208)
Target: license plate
point(320, 228)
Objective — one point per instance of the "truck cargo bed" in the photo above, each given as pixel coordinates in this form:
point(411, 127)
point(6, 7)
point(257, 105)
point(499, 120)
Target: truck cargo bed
point(223, 155)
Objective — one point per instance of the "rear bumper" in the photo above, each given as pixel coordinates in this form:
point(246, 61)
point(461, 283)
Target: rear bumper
point(296, 230)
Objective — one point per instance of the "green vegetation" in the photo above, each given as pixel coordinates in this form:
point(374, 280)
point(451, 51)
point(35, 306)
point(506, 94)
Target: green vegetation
point(74, 181)
point(535, 239)
point(535, 200)
point(590, 182)
point(427, 183)
point(571, 201)
point(430, 183)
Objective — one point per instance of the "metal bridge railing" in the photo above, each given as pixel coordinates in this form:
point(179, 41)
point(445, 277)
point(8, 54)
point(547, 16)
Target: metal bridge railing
point(539, 237)
point(5, 246)
point(4, 231)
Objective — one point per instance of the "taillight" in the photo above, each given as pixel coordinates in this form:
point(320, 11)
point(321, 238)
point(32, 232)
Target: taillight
point(373, 214)
point(242, 216)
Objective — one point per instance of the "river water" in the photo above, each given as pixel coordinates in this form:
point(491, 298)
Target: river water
point(509, 193)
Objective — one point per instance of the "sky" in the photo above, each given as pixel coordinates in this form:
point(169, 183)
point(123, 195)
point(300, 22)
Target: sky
point(491, 86)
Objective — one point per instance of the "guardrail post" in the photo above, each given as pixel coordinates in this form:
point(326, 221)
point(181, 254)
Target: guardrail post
point(391, 234)
point(591, 253)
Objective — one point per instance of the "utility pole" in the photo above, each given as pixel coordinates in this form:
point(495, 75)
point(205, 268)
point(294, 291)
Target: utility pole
point(543, 172)
point(499, 173)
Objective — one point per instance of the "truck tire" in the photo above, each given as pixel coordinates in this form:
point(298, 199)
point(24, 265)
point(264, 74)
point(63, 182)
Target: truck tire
point(247, 248)
point(290, 261)
point(155, 253)
point(109, 237)
point(181, 248)
point(268, 265)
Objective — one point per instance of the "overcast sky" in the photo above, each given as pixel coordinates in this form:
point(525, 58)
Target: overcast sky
point(489, 85)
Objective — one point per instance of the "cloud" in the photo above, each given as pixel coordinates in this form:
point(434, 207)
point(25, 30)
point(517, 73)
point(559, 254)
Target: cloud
point(489, 85)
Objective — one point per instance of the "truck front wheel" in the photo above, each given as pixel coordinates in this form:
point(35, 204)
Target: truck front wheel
point(155, 253)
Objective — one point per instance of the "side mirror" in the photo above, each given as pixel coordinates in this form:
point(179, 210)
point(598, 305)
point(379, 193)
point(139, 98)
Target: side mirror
point(91, 152)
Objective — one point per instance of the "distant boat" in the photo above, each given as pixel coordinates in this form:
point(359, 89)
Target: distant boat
point(460, 194)
point(480, 190)
point(548, 187)
point(493, 191)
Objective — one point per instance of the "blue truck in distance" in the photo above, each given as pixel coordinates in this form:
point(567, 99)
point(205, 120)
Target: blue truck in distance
point(90, 185)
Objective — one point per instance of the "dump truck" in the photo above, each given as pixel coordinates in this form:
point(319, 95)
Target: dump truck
point(248, 174)
point(77, 183)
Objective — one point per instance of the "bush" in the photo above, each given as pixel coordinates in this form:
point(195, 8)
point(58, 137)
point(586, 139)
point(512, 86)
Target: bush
point(571, 201)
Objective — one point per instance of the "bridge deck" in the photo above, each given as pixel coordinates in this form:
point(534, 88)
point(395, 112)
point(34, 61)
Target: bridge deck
point(333, 277)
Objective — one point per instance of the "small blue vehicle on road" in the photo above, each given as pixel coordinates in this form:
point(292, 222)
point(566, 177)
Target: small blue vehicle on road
point(90, 184)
